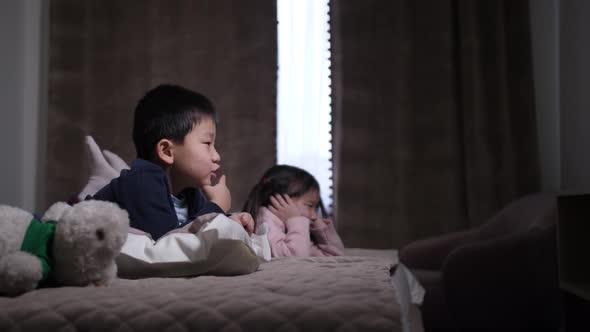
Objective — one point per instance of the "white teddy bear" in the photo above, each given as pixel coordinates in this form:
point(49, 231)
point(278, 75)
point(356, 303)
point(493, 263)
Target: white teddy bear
point(72, 246)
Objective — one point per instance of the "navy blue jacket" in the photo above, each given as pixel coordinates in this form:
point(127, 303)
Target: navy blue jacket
point(143, 191)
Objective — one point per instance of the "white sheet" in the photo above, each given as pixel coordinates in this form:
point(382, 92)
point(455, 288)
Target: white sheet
point(409, 292)
point(221, 246)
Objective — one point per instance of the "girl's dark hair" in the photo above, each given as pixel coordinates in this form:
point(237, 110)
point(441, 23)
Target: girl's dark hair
point(281, 179)
point(167, 111)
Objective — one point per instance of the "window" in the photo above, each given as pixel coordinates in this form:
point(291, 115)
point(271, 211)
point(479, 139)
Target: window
point(304, 129)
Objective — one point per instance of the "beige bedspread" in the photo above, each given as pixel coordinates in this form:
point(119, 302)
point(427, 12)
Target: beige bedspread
point(350, 293)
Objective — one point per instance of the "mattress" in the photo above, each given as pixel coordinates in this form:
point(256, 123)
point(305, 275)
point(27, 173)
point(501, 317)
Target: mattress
point(362, 291)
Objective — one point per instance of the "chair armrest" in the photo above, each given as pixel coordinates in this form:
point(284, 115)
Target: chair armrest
point(507, 281)
point(430, 253)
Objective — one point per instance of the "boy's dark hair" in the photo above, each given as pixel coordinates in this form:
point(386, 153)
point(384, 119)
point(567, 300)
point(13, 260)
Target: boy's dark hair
point(281, 179)
point(167, 111)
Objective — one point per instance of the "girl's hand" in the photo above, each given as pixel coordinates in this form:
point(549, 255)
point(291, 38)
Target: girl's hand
point(321, 222)
point(245, 219)
point(219, 194)
point(283, 207)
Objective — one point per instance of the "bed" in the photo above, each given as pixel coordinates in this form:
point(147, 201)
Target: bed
point(190, 287)
point(365, 290)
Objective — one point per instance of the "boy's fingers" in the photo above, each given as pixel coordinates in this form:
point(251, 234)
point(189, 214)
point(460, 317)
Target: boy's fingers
point(248, 224)
point(222, 180)
point(245, 216)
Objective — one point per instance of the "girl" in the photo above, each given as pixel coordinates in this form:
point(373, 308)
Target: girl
point(287, 199)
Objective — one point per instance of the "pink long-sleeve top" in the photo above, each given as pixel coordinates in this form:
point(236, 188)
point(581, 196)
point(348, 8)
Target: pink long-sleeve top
point(292, 238)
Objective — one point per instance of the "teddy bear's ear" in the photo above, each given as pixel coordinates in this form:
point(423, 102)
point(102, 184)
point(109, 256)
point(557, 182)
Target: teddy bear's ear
point(55, 211)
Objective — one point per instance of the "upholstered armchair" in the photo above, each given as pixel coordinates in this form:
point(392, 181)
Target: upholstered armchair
point(500, 276)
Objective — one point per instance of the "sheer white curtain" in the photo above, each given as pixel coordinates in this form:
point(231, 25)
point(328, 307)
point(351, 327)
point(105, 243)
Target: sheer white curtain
point(304, 110)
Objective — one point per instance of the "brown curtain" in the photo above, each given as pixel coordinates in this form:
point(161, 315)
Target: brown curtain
point(104, 55)
point(434, 124)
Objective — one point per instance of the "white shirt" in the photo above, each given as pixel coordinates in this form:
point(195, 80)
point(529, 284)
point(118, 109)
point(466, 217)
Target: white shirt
point(181, 210)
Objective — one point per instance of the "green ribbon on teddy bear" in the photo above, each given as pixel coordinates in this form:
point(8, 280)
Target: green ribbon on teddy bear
point(38, 242)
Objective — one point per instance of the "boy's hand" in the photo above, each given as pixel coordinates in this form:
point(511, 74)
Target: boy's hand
point(244, 219)
point(283, 207)
point(219, 194)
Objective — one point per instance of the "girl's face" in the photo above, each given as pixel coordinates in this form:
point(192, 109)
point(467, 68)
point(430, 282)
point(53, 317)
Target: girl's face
point(308, 204)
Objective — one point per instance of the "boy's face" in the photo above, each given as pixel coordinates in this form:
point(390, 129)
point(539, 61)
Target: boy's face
point(196, 160)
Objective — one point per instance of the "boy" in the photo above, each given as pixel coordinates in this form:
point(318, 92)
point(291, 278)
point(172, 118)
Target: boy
point(174, 133)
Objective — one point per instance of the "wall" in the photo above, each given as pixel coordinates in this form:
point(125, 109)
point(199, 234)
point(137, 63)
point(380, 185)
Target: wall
point(562, 118)
point(545, 41)
point(105, 55)
point(21, 66)
point(561, 49)
point(574, 94)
